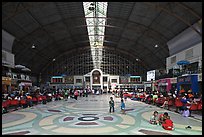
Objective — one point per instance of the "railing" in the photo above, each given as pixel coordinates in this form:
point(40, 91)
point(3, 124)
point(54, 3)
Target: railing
point(171, 75)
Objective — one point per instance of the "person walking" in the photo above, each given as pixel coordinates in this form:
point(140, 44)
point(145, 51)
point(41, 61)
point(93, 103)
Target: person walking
point(111, 104)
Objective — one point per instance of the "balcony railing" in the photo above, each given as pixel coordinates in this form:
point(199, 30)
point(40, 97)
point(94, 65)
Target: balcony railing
point(182, 72)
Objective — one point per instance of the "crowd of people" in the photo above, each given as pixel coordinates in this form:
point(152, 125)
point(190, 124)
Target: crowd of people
point(21, 98)
point(183, 102)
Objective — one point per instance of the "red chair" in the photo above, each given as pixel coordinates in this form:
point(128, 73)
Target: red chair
point(23, 102)
point(44, 97)
point(178, 102)
point(199, 105)
point(4, 104)
point(39, 98)
point(193, 107)
point(14, 102)
point(160, 101)
point(34, 99)
point(170, 102)
point(8, 102)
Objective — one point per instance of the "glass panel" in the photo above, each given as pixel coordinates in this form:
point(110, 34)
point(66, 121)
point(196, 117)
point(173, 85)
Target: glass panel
point(93, 11)
point(95, 14)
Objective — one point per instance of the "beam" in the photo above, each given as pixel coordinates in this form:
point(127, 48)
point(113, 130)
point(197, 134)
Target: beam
point(174, 15)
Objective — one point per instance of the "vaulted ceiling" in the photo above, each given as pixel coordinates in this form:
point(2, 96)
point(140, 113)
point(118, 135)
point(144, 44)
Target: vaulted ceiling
point(134, 27)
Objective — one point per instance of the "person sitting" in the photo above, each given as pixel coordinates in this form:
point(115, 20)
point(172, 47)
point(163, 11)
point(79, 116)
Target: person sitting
point(154, 118)
point(165, 104)
point(186, 112)
point(185, 101)
point(182, 91)
point(162, 118)
point(168, 124)
point(178, 103)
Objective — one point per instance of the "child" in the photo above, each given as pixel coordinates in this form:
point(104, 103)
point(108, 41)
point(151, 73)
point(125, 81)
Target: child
point(111, 104)
point(122, 106)
point(162, 118)
point(168, 124)
point(154, 118)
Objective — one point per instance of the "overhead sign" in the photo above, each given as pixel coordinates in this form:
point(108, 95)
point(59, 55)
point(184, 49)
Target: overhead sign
point(134, 76)
point(57, 77)
point(151, 75)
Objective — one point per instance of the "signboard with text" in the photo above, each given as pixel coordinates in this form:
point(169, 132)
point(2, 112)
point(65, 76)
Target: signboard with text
point(151, 75)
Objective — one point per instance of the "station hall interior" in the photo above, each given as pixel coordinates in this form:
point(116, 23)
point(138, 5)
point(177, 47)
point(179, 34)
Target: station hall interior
point(102, 68)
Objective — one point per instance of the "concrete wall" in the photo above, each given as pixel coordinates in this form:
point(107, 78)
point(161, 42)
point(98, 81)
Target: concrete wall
point(196, 56)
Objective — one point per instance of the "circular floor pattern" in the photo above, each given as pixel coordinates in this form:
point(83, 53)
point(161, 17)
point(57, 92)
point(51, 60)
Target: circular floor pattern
point(88, 118)
point(27, 116)
point(63, 118)
point(9, 117)
point(52, 110)
point(18, 133)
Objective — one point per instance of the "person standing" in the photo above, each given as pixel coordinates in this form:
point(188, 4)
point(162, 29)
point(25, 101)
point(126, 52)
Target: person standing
point(66, 94)
point(122, 106)
point(76, 94)
point(111, 104)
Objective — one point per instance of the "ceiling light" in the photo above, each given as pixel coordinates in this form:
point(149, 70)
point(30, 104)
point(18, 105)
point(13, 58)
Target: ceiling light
point(156, 46)
point(53, 60)
point(33, 46)
point(137, 59)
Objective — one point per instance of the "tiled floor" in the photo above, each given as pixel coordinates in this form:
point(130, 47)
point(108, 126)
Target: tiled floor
point(90, 115)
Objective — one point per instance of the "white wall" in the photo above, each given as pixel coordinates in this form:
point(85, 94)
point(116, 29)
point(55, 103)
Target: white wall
point(78, 77)
point(8, 59)
point(114, 77)
point(197, 56)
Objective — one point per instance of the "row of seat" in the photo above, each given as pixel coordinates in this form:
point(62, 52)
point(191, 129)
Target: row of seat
point(171, 102)
point(15, 103)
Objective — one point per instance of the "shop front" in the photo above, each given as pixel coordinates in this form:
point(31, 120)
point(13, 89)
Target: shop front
point(164, 85)
point(140, 88)
point(25, 86)
point(188, 82)
point(14, 84)
point(6, 84)
point(147, 86)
